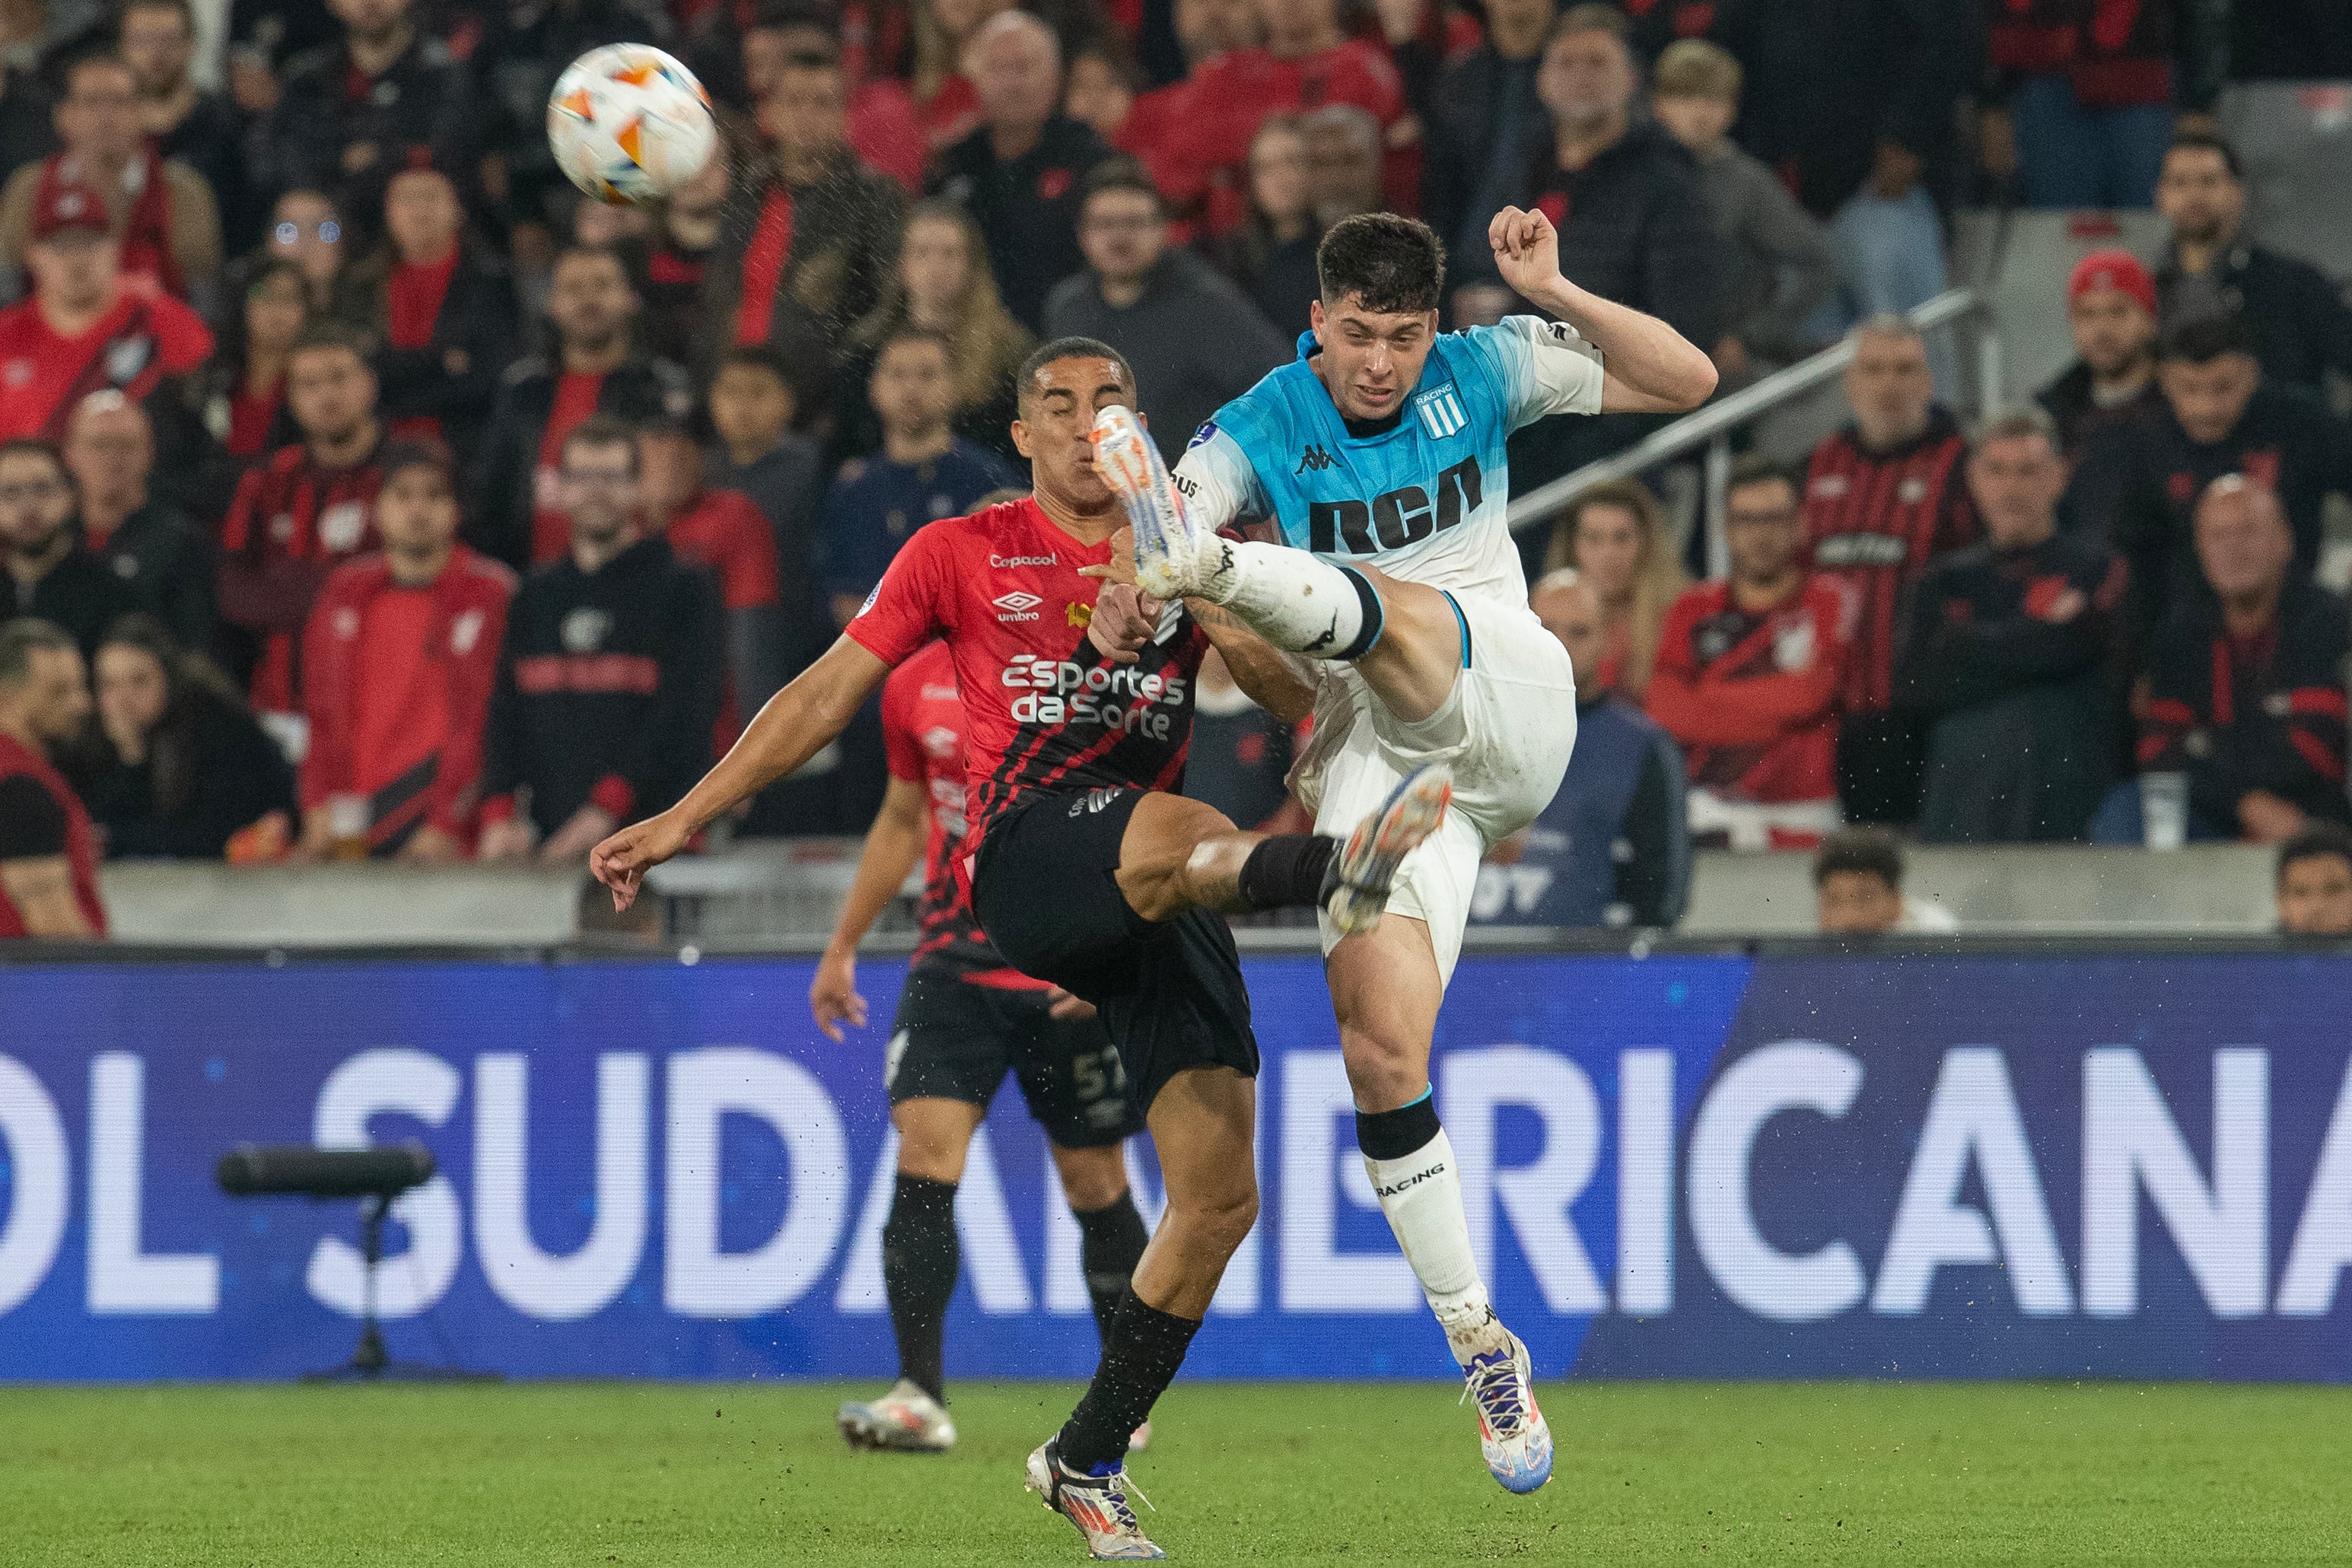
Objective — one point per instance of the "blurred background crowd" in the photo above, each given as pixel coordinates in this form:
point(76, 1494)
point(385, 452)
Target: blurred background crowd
point(365, 491)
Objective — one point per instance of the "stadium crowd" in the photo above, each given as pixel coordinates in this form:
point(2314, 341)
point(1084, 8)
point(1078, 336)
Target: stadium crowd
point(363, 490)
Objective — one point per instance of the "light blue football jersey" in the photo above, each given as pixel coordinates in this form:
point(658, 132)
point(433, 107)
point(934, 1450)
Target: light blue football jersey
point(1426, 500)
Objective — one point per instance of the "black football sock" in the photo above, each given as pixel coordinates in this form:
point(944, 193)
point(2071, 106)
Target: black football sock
point(919, 1257)
point(1287, 871)
point(1140, 1355)
point(1112, 1239)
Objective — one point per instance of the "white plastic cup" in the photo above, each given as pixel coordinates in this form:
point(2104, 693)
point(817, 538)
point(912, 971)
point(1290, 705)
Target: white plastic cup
point(2163, 810)
point(348, 821)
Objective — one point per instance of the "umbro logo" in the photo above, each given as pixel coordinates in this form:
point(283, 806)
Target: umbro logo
point(1016, 606)
point(1314, 460)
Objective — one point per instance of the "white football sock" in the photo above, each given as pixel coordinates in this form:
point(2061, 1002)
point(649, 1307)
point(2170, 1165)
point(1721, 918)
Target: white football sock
point(1422, 1196)
point(1296, 602)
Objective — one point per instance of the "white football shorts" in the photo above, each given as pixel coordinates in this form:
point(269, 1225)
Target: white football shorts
point(1517, 698)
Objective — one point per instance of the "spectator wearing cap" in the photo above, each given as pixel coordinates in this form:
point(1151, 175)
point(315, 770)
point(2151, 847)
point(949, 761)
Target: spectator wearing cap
point(442, 311)
point(2139, 480)
point(1858, 888)
point(2245, 685)
point(1777, 261)
point(610, 680)
point(1021, 172)
point(2083, 94)
point(298, 518)
point(48, 851)
point(2297, 322)
point(1306, 61)
point(923, 472)
point(722, 532)
point(1748, 673)
point(595, 368)
point(1614, 848)
point(46, 572)
point(2314, 883)
point(147, 543)
point(399, 658)
point(1884, 497)
point(86, 327)
point(1484, 125)
point(175, 767)
point(809, 228)
point(759, 454)
point(1147, 300)
point(185, 124)
point(162, 215)
point(2011, 654)
point(352, 113)
point(2111, 311)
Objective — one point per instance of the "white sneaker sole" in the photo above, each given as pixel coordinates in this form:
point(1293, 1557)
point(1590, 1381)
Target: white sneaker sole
point(1166, 543)
point(1368, 864)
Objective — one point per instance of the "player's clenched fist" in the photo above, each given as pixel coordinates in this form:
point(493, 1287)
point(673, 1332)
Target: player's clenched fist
point(1527, 250)
point(620, 862)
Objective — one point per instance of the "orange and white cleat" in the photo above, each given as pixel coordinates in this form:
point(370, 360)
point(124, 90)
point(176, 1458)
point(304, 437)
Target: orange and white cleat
point(1356, 888)
point(1096, 1504)
point(904, 1421)
point(1168, 546)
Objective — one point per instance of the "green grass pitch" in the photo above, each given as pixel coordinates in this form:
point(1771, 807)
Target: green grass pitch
point(720, 1475)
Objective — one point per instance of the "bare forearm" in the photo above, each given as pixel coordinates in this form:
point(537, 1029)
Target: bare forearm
point(892, 849)
point(1270, 677)
point(790, 728)
point(1641, 352)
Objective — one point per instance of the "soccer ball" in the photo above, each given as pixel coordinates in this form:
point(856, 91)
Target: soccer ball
point(629, 125)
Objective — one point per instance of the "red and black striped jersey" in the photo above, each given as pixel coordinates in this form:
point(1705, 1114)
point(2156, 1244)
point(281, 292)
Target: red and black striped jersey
point(1875, 519)
point(1043, 708)
point(923, 735)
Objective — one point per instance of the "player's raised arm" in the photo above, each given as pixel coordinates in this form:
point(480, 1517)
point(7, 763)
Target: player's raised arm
point(794, 726)
point(1649, 367)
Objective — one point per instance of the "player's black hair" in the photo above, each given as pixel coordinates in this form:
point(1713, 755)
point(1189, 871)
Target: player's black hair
point(1761, 469)
point(1070, 348)
point(21, 638)
point(1120, 173)
point(2202, 339)
point(2207, 142)
point(327, 332)
point(1388, 264)
point(2315, 843)
point(1872, 851)
point(606, 431)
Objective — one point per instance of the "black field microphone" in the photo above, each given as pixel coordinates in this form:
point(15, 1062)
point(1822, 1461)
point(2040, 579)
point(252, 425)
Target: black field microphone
point(252, 1170)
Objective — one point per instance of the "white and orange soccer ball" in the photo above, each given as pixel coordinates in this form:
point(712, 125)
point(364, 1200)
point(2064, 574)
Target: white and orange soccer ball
point(629, 125)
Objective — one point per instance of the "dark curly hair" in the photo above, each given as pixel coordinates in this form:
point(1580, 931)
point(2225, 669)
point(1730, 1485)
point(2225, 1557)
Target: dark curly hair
point(1387, 262)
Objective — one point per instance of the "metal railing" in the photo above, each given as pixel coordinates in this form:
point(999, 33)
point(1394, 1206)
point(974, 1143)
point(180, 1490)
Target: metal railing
point(1712, 426)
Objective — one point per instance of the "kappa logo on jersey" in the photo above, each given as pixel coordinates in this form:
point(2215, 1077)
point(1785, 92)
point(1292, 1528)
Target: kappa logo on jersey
point(1400, 518)
point(1016, 605)
point(1314, 460)
point(1441, 413)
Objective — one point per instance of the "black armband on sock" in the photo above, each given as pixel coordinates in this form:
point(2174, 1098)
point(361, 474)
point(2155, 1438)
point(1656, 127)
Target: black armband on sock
point(1287, 871)
point(1367, 635)
point(1393, 1135)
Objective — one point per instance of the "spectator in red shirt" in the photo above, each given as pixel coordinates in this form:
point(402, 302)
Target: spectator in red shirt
point(723, 532)
point(1747, 675)
point(399, 659)
point(296, 520)
point(1883, 499)
point(1307, 62)
point(245, 384)
point(1104, 93)
point(86, 327)
point(163, 213)
point(444, 315)
point(48, 851)
point(517, 514)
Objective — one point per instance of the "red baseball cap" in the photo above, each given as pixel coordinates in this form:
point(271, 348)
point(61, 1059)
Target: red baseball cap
point(68, 204)
point(2116, 269)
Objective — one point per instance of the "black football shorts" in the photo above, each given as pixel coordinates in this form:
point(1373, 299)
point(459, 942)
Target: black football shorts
point(954, 1039)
